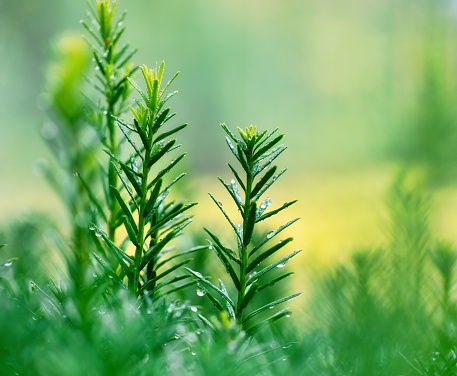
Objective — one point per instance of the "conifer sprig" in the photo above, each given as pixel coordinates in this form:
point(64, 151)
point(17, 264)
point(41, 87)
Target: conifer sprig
point(113, 66)
point(150, 222)
point(250, 270)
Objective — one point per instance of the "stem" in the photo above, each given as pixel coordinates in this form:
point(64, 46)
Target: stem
point(112, 175)
point(141, 224)
point(244, 248)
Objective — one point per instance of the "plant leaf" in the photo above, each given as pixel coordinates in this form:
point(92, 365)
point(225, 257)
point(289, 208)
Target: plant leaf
point(168, 218)
point(230, 309)
point(132, 178)
point(267, 253)
point(155, 249)
point(272, 234)
point(229, 252)
point(168, 282)
point(161, 153)
point(138, 89)
point(207, 283)
point(283, 313)
point(211, 297)
point(192, 250)
point(130, 140)
point(152, 198)
point(268, 185)
point(262, 182)
point(111, 273)
point(160, 120)
point(282, 261)
point(92, 198)
point(227, 265)
point(231, 135)
point(163, 274)
point(229, 189)
point(249, 295)
point(219, 205)
point(273, 212)
point(237, 177)
point(270, 305)
point(167, 169)
point(258, 154)
point(274, 281)
point(248, 231)
point(125, 208)
point(169, 133)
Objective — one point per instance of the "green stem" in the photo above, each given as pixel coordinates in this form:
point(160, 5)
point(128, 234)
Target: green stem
point(141, 224)
point(112, 175)
point(244, 248)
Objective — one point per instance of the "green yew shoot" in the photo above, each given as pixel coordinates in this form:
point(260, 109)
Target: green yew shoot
point(113, 66)
point(150, 222)
point(250, 269)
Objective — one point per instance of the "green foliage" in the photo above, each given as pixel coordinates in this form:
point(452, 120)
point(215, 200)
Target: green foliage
point(112, 68)
point(77, 300)
point(72, 144)
point(150, 222)
point(249, 272)
point(389, 309)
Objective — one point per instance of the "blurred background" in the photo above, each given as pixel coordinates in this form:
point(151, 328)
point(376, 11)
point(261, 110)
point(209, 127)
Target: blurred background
point(360, 88)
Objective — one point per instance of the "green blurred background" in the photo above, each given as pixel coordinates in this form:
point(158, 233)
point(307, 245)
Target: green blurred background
point(359, 87)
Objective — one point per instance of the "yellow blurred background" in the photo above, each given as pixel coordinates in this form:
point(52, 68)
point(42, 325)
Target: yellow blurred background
point(359, 88)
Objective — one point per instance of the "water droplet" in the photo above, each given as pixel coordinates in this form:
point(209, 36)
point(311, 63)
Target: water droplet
point(92, 227)
point(177, 336)
point(271, 307)
point(271, 234)
point(120, 24)
point(97, 68)
point(282, 265)
point(98, 233)
point(102, 311)
point(284, 358)
point(8, 264)
point(288, 315)
point(191, 337)
point(219, 203)
point(201, 292)
point(105, 112)
point(94, 275)
point(194, 309)
point(287, 346)
point(193, 353)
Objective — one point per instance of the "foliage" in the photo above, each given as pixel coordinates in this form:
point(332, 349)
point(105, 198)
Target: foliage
point(255, 152)
point(77, 298)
